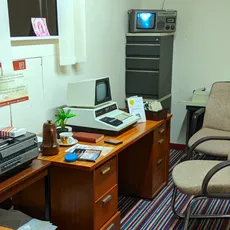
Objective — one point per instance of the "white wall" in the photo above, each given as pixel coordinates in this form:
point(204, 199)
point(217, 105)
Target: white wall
point(201, 51)
point(106, 26)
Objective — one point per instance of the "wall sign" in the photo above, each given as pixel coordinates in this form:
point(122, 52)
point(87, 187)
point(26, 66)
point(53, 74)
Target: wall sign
point(14, 88)
point(40, 27)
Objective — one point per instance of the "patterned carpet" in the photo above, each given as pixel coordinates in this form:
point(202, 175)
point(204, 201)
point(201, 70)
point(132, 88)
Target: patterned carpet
point(157, 214)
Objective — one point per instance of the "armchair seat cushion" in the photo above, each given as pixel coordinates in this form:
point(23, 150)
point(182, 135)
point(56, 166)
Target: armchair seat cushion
point(213, 147)
point(188, 177)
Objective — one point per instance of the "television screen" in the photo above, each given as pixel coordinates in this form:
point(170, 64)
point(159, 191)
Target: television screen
point(146, 20)
point(101, 91)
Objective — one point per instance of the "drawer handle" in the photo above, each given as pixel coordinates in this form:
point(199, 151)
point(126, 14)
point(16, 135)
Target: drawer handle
point(111, 227)
point(105, 171)
point(107, 199)
point(161, 141)
point(161, 131)
point(159, 162)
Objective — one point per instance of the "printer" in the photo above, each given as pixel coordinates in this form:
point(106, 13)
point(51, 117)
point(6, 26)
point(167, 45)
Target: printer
point(17, 152)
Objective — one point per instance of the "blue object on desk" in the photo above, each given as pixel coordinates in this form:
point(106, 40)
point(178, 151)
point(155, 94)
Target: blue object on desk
point(71, 157)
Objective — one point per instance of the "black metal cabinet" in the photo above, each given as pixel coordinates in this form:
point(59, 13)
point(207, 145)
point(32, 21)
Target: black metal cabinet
point(149, 66)
point(191, 109)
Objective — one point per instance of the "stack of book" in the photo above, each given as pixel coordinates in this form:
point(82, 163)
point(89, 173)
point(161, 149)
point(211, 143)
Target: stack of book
point(88, 137)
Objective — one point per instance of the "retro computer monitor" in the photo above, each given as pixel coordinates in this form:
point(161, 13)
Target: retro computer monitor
point(91, 100)
point(89, 93)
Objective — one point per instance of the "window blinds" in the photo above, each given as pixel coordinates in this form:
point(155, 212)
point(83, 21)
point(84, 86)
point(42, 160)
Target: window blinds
point(71, 27)
point(5, 44)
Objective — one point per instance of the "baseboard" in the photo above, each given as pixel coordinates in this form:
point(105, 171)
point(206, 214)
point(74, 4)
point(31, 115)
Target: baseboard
point(177, 146)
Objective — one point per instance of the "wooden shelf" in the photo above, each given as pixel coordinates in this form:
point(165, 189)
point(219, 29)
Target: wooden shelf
point(33, 38)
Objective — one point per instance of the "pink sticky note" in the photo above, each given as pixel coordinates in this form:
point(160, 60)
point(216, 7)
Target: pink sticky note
point(40, 27)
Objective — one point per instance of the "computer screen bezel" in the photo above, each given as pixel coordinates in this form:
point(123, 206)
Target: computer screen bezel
point(109, 97)
point(154, 14)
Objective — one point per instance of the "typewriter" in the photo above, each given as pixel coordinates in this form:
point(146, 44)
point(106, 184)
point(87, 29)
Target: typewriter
point(17, 152)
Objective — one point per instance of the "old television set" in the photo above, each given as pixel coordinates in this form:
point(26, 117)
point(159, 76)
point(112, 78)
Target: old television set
point(89, 93)
point(152, 21)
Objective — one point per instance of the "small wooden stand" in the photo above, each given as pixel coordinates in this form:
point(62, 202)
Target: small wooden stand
point(156, 116)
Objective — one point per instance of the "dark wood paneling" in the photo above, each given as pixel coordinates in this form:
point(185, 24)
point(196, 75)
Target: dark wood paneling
point(23, 181)
point(135, 167)
point(31, 200)
point(71, 198)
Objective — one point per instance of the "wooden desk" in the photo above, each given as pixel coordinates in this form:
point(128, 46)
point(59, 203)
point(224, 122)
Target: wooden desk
point(22, 180)
point(84, 195)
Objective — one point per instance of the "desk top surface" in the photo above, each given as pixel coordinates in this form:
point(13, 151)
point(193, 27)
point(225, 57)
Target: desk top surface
point(128, 137)
point(35, 167)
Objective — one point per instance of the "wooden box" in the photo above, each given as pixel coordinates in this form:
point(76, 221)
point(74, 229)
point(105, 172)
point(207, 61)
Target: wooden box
point(156, 116)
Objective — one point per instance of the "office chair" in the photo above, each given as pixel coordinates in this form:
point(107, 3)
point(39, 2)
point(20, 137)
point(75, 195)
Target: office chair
point(216, 123)
point(207, 179)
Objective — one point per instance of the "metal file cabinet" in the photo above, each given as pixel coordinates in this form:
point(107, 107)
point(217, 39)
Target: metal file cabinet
point(149, 66)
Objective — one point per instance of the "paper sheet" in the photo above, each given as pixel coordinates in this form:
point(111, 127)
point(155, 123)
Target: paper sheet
point(13, 89)
point(136, 107)
point(36, 224)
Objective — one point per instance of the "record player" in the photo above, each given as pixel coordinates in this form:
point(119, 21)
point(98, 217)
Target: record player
point(17, 152)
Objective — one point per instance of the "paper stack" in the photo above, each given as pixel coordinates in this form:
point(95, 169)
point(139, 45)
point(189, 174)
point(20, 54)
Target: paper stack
point(15, 219)
point(36, 224)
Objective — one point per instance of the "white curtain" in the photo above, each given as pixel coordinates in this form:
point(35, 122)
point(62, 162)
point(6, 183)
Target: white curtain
point(71, 27)
point(5, 44)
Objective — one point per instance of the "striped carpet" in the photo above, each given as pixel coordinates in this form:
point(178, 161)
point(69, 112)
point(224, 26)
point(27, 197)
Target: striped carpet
point(157, 214)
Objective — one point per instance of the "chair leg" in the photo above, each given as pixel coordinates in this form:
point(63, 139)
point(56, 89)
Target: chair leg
point(180, 215)
point(187, 216)
point(189, 209)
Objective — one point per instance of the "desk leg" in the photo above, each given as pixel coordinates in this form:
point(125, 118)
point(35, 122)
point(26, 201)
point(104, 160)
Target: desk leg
point(47, 196)
point(135, 168)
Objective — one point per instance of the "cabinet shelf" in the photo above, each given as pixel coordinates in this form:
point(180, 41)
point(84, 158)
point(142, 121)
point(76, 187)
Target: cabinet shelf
point(33, 38)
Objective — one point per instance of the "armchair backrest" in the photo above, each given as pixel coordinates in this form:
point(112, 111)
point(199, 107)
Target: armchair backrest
point(217, 112)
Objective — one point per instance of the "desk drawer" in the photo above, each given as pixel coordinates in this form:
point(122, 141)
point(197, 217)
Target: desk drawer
point(159, 173)
point(113, 224)
point(105, 177)
point(142, 50)
point(106, 207)
point(143, 40)
point(160, 132)
point(152, 64)
point(142, 82)
point(160, 142)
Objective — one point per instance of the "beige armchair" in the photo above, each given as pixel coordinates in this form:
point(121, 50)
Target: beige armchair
point(216, 122)
point(207, 179)
point(201, 179)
